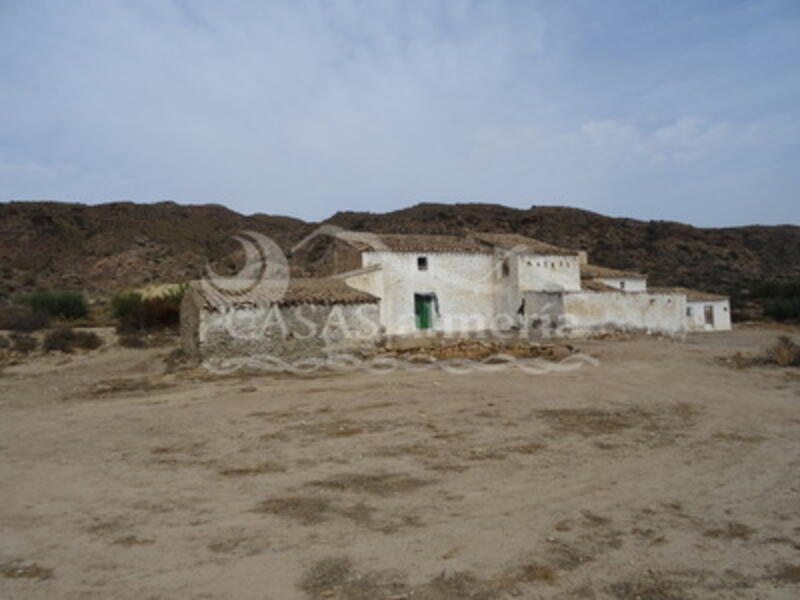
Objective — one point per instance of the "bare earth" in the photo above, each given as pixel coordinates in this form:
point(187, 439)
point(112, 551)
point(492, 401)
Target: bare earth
point(661, 473)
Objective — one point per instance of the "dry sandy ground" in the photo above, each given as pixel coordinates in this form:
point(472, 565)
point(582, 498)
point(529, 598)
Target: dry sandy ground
point(660, 473)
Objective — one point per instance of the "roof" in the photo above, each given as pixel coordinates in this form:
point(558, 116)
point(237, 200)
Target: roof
point(691, 295)
point(589, 271)
point(483, 243)
point(509, 241)
point(593, 285)
point(300, 291)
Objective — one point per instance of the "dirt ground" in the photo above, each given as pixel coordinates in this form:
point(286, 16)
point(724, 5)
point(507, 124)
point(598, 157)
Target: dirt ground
point(660, 473)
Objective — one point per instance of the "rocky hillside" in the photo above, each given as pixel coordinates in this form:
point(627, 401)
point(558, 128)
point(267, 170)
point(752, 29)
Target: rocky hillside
point(112, 246)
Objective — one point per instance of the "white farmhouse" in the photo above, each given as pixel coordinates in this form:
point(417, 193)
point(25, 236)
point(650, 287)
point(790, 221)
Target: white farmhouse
point(422, 285)
point(501, 282)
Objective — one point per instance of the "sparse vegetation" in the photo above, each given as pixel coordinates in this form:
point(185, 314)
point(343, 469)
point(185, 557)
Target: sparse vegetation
point(785, 352)
point(21, 342)
point(65, 339)
point(781, 300)
point(66, 304)
point(134, 312)
point(22, 318)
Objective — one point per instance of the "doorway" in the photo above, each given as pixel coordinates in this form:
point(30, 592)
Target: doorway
point(423, 310)
point(709, 315)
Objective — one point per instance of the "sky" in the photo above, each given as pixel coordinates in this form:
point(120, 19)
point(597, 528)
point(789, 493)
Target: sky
point(679, 110)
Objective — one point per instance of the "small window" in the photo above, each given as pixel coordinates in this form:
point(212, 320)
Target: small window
point(688, 311)
point(622, 285)
point(422, 263)
point(506, 270)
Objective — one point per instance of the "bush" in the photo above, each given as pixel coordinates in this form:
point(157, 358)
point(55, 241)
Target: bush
point(785, 352)
point(4, 342)
point(22, 342)
point(131, 340)
point(22, 318)
point(67, 304)
point(133, 311)
point(65, 339)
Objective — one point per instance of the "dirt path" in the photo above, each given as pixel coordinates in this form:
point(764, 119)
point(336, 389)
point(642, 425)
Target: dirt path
point(660, 473)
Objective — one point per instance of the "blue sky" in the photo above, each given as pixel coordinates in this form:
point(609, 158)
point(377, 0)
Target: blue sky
point(676, 110)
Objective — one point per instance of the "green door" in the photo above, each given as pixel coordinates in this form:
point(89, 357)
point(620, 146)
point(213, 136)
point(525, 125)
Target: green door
point(423, 310)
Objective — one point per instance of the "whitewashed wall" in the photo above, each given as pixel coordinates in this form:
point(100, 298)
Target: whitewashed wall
point(630, 284)
point(695, 315)
point(585, 313)
point(549, 273)
point(464, 285)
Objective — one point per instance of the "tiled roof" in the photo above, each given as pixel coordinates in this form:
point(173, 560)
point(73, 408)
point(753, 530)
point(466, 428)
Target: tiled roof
point(691, 295)
point(593, 285)
point(300, 291)
point(509, 241)
point(483, 243)
point(596, 271)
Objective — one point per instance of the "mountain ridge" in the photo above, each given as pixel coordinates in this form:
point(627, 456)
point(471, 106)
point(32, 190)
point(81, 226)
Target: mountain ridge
point(105, 247)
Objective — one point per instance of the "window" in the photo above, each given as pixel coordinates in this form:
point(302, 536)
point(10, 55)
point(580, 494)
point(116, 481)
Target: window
point(622, 285)
point(506, 270)
point(422, 263)
point(688, 311)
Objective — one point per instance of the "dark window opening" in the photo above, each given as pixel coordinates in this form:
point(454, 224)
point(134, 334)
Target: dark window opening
point(506, 270)
point(422, 263)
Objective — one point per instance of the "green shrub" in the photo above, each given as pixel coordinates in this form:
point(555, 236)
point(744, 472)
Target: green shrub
point(65, 339)
point(133, 311)
point(22, 318)
point(126, 308)
point(67, 304)
point(22, 342)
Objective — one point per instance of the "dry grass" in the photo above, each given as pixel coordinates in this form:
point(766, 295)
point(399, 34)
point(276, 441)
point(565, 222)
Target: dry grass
point(17, 570)
point(731, 531)
point(306, 509)
point(586, 421)
point(384, 484)
point(129, 384)
point(132, 540)
point(336, 577)
point(785, 353)
point(310, 510)
point(787, 573)
point(259, 469)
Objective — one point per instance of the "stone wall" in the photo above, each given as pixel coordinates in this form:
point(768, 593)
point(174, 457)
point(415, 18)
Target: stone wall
point(288, 332)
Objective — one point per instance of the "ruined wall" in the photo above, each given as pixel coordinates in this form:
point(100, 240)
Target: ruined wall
point(585, 313)
point(288, 332)
point(695, 315)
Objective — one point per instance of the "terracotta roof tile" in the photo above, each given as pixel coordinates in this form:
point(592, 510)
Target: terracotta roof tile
point(691, 295)
point(300, 291)
point(596, 271)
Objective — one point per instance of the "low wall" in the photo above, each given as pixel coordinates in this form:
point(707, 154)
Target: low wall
point(288, 332)
point(586, 313)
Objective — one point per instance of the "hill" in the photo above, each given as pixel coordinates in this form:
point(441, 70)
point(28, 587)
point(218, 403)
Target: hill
point(111, 246)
